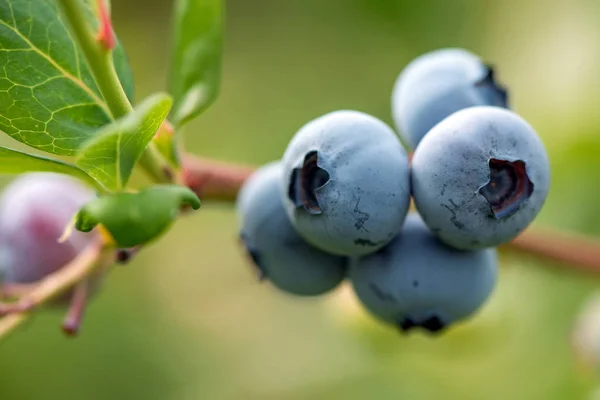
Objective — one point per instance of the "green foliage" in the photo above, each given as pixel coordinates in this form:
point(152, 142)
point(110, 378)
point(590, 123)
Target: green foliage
point(15, 162)
point(136, 218)
point(196, 64)
point(48, 98)
point(110, 155)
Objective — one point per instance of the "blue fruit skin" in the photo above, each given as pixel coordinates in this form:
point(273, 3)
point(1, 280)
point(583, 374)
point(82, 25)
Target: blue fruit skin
point(367, 196)
point(417, 278)
point(283, 257)
point(35, 209)
point(452, 163)
point(437, 84)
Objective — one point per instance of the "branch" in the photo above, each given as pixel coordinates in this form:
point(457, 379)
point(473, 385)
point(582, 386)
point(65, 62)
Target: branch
point(74, 317)
point(93, 256)
point(215, 180)
point(575, 251)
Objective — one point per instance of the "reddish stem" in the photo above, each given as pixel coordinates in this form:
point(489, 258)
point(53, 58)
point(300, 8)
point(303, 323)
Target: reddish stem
point(18, 307)
point(78, 270)
point(74, 316)
point(10, 290)
point(578, 252)
point(216, 180)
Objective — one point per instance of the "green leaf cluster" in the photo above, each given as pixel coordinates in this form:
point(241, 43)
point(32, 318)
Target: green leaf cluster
point(51, 102)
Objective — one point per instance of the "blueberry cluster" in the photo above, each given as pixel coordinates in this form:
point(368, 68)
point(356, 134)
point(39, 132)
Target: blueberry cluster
point(336, 206)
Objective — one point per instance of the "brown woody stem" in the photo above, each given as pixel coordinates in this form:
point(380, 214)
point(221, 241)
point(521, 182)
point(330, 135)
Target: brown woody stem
point(10, 290)
point(573, 251)
point(215, 180)
point(74, 317)
point(54, 285)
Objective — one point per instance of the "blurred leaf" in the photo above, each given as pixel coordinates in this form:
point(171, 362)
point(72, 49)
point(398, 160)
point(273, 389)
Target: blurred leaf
point(111, 154)
point(196, 63)
point(136, 218)
point(49, 98)
point(16, 162)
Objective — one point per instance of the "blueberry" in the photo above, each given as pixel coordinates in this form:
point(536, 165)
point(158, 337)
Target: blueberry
point(417, 281)
point(35, 208)
point(346, 183)
point(480, 177)
point(437, 84)
point(274, 248)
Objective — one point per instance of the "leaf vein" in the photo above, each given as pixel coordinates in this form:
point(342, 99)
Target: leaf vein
point(75, 80)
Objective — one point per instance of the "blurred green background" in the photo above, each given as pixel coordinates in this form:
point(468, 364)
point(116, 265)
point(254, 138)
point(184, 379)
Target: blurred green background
point(186, 319)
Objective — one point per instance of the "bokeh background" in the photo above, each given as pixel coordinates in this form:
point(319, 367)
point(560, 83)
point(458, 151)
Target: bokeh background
point(187, 320)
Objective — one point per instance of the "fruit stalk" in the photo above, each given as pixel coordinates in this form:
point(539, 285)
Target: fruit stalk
point(218, 180)
point(92, 257)
point(73, 319)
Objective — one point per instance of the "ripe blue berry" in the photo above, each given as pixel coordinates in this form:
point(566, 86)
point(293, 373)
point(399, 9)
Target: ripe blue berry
point(346, 183)
point(35, 209)
point(418, 281)
point(480, 177)
point(437, 84)
point(272, 244)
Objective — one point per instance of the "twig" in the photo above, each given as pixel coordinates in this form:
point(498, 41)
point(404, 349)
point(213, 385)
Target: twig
point(58, 283)
point(575, 251)
point(214, 180)
point(74, 317)
point(11, 290)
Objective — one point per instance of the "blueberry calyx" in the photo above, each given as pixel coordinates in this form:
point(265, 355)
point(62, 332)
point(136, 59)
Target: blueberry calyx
point(508, 188)
point(433, 324)
point(305, 181)
point(407, 324)
point(501, 92)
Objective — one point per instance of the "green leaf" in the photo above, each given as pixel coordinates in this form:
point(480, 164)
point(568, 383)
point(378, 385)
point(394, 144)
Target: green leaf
point(136, 218)
point(110, 155)
point(196, 64)
point(16, 162)
point(48, 98)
